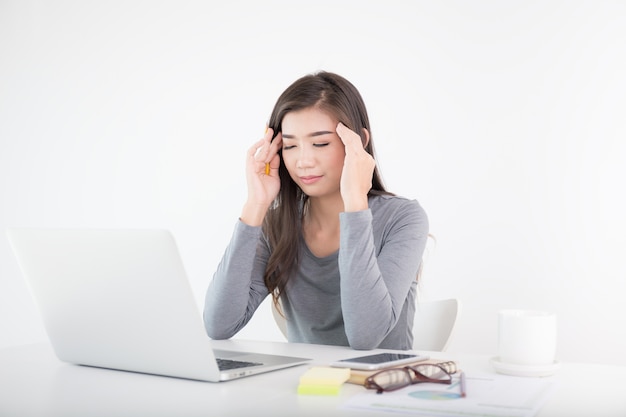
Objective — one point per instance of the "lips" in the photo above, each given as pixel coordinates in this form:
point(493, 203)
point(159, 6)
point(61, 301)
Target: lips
point(310, 179)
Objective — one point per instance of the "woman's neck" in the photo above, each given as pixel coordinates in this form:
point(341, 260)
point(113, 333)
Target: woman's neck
point(323, 213)
point(321, 226)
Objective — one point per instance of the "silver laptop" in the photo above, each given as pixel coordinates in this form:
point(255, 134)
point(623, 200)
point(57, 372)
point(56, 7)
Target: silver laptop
point(120, 299)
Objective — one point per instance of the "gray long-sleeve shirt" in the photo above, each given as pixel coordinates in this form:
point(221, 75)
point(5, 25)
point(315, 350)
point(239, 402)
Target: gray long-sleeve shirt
point(362, 296)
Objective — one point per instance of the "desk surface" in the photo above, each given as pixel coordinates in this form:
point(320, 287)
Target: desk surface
point(34, 383)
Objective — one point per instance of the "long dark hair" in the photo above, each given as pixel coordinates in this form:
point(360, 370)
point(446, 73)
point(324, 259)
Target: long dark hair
point(335, 95)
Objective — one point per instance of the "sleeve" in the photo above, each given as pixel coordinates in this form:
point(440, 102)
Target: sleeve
point(375, 281)
point(237, 288)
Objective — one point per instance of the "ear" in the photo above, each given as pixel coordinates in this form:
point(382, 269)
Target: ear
point(366, 137)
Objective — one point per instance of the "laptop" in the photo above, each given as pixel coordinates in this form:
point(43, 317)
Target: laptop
point(120, 299)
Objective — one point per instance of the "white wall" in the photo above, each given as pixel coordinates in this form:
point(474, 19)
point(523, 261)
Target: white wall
point(504, 119)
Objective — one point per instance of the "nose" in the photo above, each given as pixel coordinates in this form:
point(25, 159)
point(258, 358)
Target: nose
point(305, 159)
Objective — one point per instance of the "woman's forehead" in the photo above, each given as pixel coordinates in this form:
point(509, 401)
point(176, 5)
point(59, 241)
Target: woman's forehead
point(308, 121)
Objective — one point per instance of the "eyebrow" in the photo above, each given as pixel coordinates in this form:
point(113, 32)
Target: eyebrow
point(310, 135)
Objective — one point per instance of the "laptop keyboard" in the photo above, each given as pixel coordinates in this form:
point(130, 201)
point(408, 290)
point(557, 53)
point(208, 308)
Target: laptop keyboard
point(226, 364)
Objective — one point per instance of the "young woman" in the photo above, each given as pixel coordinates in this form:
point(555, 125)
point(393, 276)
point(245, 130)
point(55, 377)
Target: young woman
point(319, 231)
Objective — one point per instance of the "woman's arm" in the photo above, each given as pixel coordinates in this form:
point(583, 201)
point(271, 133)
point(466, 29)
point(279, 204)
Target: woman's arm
point(375, 281)
point(237, 288)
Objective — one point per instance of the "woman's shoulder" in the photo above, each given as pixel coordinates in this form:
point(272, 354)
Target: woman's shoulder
point(388, 206)
point(392, 202)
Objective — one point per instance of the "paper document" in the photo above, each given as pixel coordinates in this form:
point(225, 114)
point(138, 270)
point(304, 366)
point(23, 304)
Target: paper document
point(487, 396)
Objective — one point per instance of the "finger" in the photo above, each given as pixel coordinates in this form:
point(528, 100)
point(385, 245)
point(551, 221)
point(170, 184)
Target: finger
point(350, 139)
point(254, 149)
point(267, 146)
point(260, 151)
point(274, 164)
point(267, 150)
point(277, 143)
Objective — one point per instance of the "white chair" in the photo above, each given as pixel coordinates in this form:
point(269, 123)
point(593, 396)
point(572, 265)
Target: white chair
point(279, 319)
point(434, 324)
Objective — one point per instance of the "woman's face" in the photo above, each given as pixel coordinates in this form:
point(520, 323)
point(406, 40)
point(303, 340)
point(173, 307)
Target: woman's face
point(313, 153)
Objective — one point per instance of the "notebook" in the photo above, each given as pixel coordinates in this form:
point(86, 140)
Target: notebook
point(120, 299)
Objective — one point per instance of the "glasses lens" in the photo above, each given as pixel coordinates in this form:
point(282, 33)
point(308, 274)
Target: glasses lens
point(433, 372)
point(392, 379)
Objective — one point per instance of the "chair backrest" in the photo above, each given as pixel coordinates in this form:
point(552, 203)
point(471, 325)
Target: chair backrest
point(434, 324)
point(279, 319)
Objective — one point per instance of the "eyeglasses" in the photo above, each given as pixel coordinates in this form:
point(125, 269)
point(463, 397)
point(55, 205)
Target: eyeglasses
point(396, 378)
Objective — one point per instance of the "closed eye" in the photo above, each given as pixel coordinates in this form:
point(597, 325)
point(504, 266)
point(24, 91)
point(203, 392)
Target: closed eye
point(320, 145)
point(285, 148)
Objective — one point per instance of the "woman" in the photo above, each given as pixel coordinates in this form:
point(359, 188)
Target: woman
point(319, 231)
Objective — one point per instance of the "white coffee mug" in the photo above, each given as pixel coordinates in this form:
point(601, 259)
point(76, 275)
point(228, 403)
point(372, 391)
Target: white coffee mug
point(527, 337)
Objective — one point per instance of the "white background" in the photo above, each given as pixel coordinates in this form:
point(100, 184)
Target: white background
point(505, 119)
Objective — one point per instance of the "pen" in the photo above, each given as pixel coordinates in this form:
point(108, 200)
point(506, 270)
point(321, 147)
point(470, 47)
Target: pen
point(462, 384)
point(267, 164)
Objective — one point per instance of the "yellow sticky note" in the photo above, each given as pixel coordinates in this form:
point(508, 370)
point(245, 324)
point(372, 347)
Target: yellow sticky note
point(318, 389)
point(324, 375)
point(322, 380)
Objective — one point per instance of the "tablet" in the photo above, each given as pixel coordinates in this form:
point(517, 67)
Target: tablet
point(379, 361)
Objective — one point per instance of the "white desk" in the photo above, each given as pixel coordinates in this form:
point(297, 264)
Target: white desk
point(34, 383)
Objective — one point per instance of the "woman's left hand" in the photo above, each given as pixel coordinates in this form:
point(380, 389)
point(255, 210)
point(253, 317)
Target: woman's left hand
point(358, 168)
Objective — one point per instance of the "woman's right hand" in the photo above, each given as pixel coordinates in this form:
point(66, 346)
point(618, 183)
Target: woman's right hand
point(263, 185)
